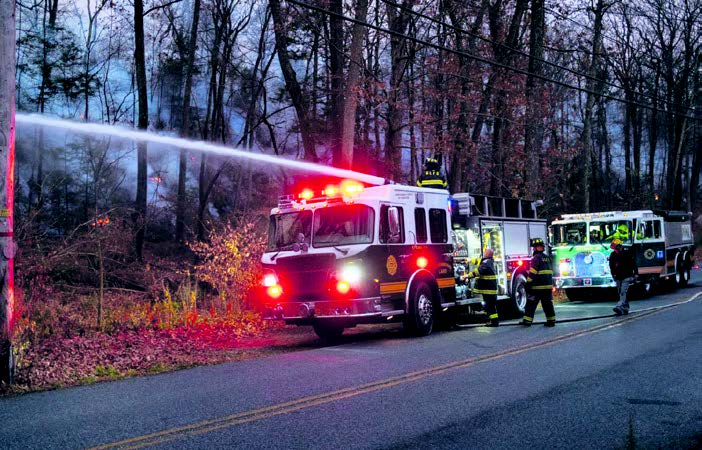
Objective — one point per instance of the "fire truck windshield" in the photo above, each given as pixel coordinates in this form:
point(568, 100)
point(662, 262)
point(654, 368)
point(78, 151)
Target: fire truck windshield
point(569, 234)
point(604, 232)
point(343, 225)
point(286, 230)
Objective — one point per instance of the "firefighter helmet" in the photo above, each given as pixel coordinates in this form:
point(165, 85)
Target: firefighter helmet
point(536, 242)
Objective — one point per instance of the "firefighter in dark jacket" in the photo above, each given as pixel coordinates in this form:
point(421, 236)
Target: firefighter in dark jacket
point(432, 177)
point(539, 285)
point(486, 285)
point(622, 266)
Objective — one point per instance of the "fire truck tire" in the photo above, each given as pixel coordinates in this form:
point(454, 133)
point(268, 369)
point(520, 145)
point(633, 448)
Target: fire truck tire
point(327, 332)
point(683, 269)
point(518, 299)
point(420, 317)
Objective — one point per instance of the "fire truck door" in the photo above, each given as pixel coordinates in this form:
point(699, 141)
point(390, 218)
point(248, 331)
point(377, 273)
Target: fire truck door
point(493, 237)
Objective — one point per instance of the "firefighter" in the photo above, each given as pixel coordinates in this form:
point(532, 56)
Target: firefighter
point(486, 284)
point(539, 285)
point(621, 233)
point(432, 177)
point(622, 266)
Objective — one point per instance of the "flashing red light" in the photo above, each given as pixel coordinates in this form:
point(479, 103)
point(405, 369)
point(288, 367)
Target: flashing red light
point(331, 191)
point(343, 287)
point(270, 280)
point(520, 263)
point(350, 187)
point(422, 262)
point(307, 194)
point(274, 291)
point(697, 267)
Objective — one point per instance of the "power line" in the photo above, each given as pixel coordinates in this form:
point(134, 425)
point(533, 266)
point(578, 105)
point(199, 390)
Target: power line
point(523, 53)
point(474, 57)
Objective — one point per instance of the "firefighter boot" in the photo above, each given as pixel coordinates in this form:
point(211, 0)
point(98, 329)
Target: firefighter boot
point(494, 321)
point(526, 321)
point(550, 322)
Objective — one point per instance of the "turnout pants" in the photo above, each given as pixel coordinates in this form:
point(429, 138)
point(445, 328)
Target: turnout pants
point(546, 303)
point(622, 288)
point(491, 307)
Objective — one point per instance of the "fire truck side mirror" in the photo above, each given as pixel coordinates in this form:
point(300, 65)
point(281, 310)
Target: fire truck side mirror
point(394, 224)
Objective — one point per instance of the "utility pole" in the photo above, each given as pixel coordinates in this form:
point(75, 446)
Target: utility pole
point(7, 184)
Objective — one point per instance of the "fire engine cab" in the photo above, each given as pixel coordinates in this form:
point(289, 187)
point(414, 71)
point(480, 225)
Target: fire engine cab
point(350, 254)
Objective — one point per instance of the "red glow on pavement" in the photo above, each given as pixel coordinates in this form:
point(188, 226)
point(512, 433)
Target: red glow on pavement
point(422, 262)
point(274, 291)
point(343, 287)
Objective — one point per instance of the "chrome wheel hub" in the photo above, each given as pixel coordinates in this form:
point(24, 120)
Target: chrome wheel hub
point(424, 309)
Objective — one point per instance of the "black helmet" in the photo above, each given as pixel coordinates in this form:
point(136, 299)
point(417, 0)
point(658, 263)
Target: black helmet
point(536, 242)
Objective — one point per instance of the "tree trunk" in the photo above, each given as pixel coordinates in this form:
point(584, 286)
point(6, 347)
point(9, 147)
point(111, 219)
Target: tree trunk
point(586, 137)
point(350, 98)
point(143, 123)
point(336, 80)
point(292, 86)
point(398, 19)
point(7, 172)
point(185, 123)
point(534, 126)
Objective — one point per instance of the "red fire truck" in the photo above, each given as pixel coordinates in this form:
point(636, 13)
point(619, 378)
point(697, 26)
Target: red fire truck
point(349, 254)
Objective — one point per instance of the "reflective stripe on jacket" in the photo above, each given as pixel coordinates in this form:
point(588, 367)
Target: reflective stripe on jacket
point(540, 273)
point(486, 280)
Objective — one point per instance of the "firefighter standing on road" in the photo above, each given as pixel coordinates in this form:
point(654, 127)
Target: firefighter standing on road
point(539, 285)
point(432, 177)
point(486, 284)
point(622, 266)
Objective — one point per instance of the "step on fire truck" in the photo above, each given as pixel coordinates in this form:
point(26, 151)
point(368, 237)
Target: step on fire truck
point(349, 255)
point(662, 242)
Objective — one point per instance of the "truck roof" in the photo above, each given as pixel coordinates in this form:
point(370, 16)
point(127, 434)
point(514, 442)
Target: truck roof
point(611, 215)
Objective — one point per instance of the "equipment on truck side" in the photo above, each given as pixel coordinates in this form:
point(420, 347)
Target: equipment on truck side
point(350, 254)
point(661, 241)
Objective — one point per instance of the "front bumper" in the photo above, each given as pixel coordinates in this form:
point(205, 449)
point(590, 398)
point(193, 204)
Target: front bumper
point(361, 309)
point(584, 282)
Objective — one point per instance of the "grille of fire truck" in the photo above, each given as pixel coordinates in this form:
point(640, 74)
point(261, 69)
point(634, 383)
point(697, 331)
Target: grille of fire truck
point(306, 277)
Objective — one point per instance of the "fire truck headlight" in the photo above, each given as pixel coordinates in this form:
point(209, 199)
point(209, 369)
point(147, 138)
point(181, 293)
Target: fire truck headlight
point(351, 274)
point(269, 280)
point(564, 268)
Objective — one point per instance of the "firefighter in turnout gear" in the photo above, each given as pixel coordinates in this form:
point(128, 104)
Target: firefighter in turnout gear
point(539, 285)
point(432, 177)
point(486, 284)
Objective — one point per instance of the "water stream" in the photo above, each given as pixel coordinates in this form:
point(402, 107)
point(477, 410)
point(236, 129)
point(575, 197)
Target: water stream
point(200, 146)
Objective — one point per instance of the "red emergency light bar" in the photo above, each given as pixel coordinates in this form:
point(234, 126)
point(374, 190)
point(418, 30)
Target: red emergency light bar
point(347, 189)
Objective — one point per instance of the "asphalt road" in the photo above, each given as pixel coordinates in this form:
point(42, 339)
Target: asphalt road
point(627, 382)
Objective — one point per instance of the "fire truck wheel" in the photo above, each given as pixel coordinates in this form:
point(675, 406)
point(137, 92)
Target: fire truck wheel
point(683, 276)
point(519, 299)
point(327, 331)
point(420, 319)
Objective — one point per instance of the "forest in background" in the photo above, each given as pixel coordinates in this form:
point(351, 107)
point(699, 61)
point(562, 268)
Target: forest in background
point(589, 106)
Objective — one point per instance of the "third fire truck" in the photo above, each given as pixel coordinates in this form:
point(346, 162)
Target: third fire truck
point(662, 242)
point(349, 254)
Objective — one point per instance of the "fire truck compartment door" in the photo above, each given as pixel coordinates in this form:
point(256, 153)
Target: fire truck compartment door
point(517, 239)
point(537, 230)
point(493, 237)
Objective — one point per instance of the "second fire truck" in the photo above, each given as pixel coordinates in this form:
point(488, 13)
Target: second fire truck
point(348, 254)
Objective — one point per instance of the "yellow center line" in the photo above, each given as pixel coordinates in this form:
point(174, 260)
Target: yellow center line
point(206, 426)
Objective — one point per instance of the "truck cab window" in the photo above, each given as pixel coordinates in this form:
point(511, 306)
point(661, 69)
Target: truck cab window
point(420, 223)
point(649, 230)
point(437, 226)
point(385, 235)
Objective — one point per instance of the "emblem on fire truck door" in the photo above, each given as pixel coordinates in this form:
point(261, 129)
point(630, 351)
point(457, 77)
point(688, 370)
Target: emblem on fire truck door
point(649, 253)
point(391, 265)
